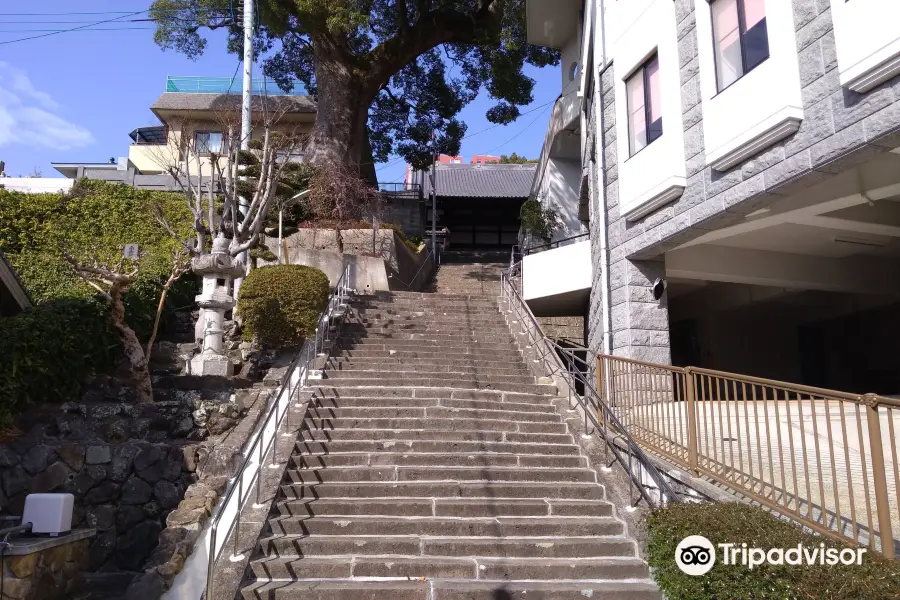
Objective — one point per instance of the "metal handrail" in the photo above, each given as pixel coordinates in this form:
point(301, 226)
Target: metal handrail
point(411, 281)
point(554, 244)
point(613, 432)
point(256, 449)
point(825, 459)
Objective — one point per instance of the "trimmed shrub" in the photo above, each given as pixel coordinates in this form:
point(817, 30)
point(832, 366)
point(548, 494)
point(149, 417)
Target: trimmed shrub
point(50, 350)
point(32, 227)
point(281, 304)
point(875, 579)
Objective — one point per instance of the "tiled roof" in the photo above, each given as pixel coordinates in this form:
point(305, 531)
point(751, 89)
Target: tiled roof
point(480, 181)
point(184, 101)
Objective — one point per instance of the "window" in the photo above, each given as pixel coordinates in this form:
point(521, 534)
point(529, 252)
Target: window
point(209, 141)
point(740, 38)
point(644, 106)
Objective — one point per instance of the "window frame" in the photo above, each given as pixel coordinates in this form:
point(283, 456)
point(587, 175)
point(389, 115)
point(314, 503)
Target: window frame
point(645, 82)
point(208, 132)
point(742, 25)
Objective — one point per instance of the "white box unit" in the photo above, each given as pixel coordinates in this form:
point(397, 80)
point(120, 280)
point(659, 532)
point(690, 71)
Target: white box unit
point(49, 513)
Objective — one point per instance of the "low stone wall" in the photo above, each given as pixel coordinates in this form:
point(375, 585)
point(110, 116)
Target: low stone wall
point(563, 328)
point(216, 464)
point(123, 490)
point(45, 568)
point(379, 262)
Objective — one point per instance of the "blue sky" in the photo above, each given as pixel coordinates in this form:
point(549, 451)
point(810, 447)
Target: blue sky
point(76, 96)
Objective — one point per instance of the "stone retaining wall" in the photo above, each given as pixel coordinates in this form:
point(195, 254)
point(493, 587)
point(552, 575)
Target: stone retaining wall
point(45, 568)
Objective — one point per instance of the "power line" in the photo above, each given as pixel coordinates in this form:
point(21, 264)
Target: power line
point(70, 31)
point(518, 134)
point(395, 161)
point(48, 34)
point(89, 26)
point(108, 12)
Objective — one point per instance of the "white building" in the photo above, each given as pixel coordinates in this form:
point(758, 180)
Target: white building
point(742, 155)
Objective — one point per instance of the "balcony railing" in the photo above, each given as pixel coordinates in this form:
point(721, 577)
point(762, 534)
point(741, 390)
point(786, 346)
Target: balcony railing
point(229, 85)
point(557, 243)
point(825, 459)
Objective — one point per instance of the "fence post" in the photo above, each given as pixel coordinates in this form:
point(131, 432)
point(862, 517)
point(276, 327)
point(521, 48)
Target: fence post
point(691, 416)
point(601, 388)
point(876, 449)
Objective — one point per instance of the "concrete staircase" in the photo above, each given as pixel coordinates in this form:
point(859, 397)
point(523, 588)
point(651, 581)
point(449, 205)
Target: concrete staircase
point(433, 466)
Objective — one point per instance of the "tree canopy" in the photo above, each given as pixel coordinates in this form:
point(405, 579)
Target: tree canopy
point(515, 159)
point(386, 73)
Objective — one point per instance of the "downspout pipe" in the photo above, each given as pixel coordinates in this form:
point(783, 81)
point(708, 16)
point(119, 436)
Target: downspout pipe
point(599, 33)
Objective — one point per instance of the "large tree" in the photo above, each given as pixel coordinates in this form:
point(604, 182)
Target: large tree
point(385, 73)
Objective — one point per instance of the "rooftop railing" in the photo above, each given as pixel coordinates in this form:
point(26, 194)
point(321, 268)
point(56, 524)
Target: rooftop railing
point(229, 85)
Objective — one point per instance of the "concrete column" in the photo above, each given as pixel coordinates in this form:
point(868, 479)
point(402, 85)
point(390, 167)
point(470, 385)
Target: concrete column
point(640, 323)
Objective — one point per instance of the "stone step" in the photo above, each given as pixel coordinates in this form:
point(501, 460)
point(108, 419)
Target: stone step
point(346, 385)
point(479, 355)
point(455, 338)
point(434, 473)
point(436, 459)
point(414, 375)
point(416, 567)
point(544, 590)
point(445, 526)
point(330, 391)
point(543, 405)
point(456, 546)
point(482, 306)
point(428, 366)
point(429, 344)
point(427, 321)
point(444, 507)
point(435, 412)
point(451, 590)
point(436, 424)
point(407, 436)
point(538, 447)
point(447, 489)
point(435, 363)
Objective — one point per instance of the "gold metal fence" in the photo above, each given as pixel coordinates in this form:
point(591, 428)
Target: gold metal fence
point(825, 459)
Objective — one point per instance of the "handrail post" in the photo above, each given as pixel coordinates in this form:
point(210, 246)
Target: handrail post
point(882, 506)
point(601, 389)
point(691, 415)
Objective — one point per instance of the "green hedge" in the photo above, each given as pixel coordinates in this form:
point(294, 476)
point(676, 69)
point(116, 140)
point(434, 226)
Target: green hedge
point(280, 304)
point(48, 352)
point(876, 579)
point(69, 337)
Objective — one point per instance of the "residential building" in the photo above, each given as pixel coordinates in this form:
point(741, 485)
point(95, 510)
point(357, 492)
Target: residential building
point(202, 107)
point(734, 164)
point(484, 159)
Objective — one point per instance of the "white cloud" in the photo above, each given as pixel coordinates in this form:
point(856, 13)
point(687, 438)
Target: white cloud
point(28, 115)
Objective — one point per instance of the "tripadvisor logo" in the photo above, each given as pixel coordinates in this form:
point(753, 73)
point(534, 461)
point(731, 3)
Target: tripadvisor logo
point(695, 555)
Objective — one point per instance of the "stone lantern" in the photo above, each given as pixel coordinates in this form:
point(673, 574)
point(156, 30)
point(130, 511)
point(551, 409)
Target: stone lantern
point(217, 271)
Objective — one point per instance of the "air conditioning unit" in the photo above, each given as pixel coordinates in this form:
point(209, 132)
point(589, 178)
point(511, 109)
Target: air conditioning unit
point(49, 513)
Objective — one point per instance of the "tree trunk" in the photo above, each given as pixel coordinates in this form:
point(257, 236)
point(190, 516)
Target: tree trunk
point(137, 360)
point(340, 133)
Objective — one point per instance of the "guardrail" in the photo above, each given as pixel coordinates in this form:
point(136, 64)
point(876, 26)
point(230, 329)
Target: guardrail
point(556, 244)
point(650, 484)
point(297, 376)
point(822, 458)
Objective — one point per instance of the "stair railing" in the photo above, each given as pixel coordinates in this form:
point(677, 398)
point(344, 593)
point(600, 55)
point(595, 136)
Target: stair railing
point(563, 362)
point(264, 439)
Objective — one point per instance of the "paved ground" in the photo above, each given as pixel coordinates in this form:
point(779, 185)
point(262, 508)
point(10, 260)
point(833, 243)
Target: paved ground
point(811, 456)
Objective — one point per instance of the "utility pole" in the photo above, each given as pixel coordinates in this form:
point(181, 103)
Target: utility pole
point(246, 125)
point(434, 160)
